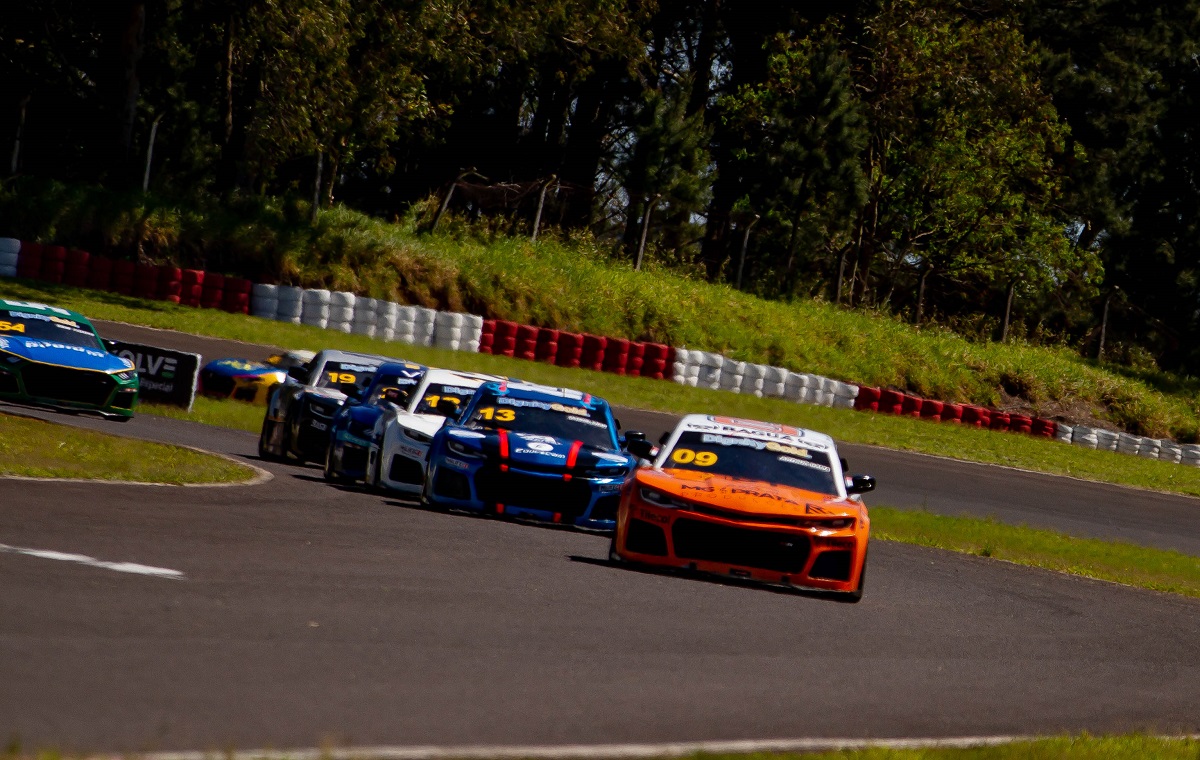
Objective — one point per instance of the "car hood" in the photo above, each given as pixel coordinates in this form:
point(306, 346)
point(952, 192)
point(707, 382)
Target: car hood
point(423, 423)
point(540, 450)
point(331, 394)
point(750, 496)
point(243, 368)
point(64, 354)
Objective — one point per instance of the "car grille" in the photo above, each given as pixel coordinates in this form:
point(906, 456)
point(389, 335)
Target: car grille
point(768, 550)
point(547, 494)
point(213, 384)
point(8, 383)
point(452, 485)
point(354, 459)
point(605, 507)
point(405, 470)
point(643, 538)
point(831, 566)
point(729, 514)
point(64, 384)
point(124, 399)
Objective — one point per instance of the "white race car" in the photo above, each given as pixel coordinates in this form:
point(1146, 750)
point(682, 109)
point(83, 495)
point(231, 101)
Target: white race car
point(396, 460)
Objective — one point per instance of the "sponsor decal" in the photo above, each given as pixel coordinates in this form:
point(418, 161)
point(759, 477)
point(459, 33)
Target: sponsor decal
point(460, 391)
point(586, 421)
point(456, 464)
point(64, 347)
point(460, 433)
point(4, 343)
point(610, 487)
point(805, 463)
point(32, 305)
point(319, 425)
point(543, 447)
point(815, 509)
point(654, 517)
point(614, 458)
point(760, 494)
point(357, 367)
point(164, 376)
point(536, 438)
point(411, 451)
point(541, 452)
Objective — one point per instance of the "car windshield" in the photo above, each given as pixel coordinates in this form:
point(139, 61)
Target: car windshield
point(435, 392)
point(560, 419)
point(394, 388)
point(775, 462)
point(48, 327)
point(345, 376)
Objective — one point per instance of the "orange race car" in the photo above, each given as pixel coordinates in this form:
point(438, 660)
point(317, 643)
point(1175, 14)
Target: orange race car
point(746, 499)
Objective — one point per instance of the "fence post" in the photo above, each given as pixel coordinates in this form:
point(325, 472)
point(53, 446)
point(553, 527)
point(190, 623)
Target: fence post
point(637, 265)
point(745, 244)
point(537, 220)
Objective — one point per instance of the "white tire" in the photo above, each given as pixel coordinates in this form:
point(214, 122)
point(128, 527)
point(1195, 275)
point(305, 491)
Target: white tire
point(1171, 452)
point(342, 298)
point(265, 290)
point(773, 390)
point(289, 294)
point(8, 271)
point(1083, 436)
point(10, 245)
point(8, 260)
point(1062, 433)
point(1106, 440)
point(340, 326)
point(1150, 449)
point(316, 296)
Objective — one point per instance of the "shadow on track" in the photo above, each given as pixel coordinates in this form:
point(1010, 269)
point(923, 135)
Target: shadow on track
point(718, 580)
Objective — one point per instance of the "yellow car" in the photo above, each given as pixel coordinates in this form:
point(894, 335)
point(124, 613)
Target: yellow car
point(246, 380)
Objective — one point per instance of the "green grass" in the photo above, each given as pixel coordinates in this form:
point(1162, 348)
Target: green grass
point(1156, 569)
point(901, 433)
point(1084, 747)
point(573, 284)
point(33, 448)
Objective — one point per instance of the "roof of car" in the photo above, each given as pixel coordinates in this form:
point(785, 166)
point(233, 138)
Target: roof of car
point(452, 377)
point(41, 308)
point(336, 355)
point(522, 389)
point(767, 431)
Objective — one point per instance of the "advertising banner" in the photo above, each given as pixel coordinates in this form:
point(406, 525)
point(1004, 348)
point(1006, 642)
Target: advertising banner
point(164, 376)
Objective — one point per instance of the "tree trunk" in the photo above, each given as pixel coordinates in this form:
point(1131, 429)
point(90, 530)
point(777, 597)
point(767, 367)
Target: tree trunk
point(22, 107)
point(227, 83)
point(706, 49)
point(1012, 290)
point(132, 41)
point(920, 312)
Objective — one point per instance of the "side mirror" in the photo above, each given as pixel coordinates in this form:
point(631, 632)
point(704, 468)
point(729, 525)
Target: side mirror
point(860, 484)
point(447, 408)
point(298, 373)
point(635, 443)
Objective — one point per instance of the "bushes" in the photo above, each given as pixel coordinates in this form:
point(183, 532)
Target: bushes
point(573, 285)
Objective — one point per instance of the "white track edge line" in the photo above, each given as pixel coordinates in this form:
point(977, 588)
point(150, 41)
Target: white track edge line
point(601, 751)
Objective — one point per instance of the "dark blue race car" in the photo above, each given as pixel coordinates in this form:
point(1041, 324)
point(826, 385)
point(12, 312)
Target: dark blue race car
point(531, 451)
point(353, 428)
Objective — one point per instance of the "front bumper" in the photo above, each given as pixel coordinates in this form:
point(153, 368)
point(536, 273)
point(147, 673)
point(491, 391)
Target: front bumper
point(70, 388)
point(676, 538)
point(583, 502)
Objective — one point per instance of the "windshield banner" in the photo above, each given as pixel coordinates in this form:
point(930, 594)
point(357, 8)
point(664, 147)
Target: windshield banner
point(164, 376)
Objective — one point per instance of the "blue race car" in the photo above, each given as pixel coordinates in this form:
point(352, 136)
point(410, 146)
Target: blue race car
point(531, 451)
point(51, 356)
point(353, 428)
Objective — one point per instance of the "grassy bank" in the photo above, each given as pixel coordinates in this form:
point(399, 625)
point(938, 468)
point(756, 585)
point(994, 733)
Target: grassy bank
point(37, 449)
point(1113, 561)
point(907, 434)
point(574, 285)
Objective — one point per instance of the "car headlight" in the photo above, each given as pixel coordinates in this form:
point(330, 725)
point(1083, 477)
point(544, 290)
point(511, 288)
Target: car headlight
point(125, 376)
point(661, 499)
point(462, 450)
point(605, 472)
point(839, 524)
point(417, 435)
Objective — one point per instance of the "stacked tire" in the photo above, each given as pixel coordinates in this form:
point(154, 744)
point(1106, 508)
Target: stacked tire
point(264, 301)
point(341, 311)
point(570, 349)
point(10, 255)
point(315, 308)
point(192, 282)
point(291, 304)
point(366, 317)
point(170, 284)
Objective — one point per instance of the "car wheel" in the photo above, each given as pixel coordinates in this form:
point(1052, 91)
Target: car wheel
point(329, 473)
point(854, 597)
point(263, 452)
point(612, 549)
point(374, 478)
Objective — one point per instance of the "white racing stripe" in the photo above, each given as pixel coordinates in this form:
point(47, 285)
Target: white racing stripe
point(82, 559)
point(589, 751)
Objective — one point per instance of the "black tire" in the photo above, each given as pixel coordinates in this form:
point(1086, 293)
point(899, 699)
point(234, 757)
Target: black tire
point(612, 549)
point(854, 597)
point(263, 452)
point(327, 470)
point(374, 475)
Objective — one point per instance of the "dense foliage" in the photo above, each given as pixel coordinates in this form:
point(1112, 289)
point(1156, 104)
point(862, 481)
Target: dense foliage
point(1002, 168)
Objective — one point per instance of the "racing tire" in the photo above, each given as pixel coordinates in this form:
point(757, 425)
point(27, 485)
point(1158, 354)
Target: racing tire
point(263, 453)
point(372, 481)
point(613, 557)
point(327, 469)
point(855, 596)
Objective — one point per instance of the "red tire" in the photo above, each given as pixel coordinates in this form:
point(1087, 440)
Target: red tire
point(911, 406)
point(489, 329)
point(1043, 427)
point(891, 402)
point(975, 416)
point(868, 399)
point(76, 277)
point(505, 346)
point(506, 328)
point(932, 410)
point(999, 420)
point(100, 269)
point(77, 258)
point(952, 413)
point(1020, 423)
point(192, 277)
point(29, 260)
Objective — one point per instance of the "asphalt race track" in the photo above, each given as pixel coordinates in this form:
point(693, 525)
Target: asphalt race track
point(307, 613)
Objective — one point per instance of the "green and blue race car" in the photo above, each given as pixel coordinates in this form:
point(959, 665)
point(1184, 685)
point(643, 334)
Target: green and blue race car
point(53, 357)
